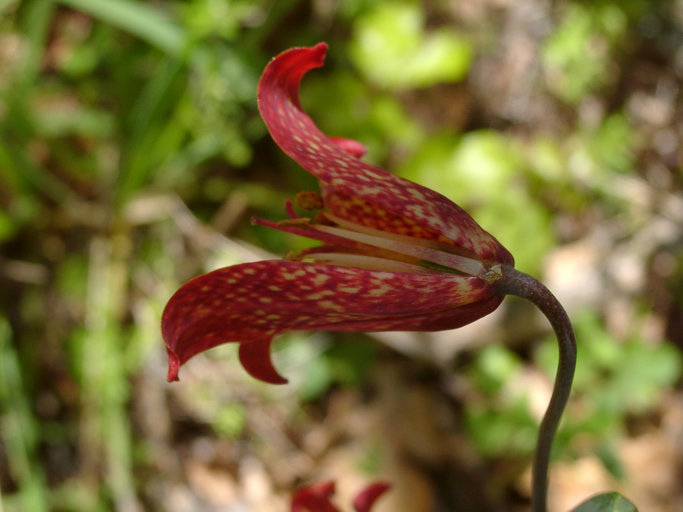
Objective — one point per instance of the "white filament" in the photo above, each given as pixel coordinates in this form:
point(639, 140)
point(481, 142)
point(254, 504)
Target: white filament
point(416, 247)
point(365, 262)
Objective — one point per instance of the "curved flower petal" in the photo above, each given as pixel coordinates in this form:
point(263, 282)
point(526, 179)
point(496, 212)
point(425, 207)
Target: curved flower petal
point(369, 195)
point(255, 358)
point(314, 498)
point(364, 501)
point(252, 302)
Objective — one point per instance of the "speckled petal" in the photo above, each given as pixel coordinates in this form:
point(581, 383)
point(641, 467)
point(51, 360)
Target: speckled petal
point(408, 208)
point(253, 302)
point(352, 147)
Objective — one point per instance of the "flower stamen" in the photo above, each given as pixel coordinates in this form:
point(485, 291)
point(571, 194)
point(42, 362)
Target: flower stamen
point(309, 200)
point(417, 248)
point(297, 222)
point(439, 246)
point(364, 262)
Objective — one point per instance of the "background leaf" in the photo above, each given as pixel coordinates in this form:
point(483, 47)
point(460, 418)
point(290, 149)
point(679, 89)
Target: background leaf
point(608, 502)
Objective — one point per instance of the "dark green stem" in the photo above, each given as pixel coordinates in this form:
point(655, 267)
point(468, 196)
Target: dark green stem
point(522, 285)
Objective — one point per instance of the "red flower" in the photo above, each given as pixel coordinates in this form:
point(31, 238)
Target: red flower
point(316, 498)
point(394, 255)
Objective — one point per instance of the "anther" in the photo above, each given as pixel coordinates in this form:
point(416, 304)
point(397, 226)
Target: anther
point(299, 221)
point(491, 274)
point(309, 200)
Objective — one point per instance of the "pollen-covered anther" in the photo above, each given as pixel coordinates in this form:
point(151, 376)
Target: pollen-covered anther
point(323, 219)
point(309, 200)
point(299, 221)
point(491, 274)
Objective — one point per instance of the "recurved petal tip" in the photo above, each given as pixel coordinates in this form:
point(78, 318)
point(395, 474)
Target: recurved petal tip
point(314, 498)
point(286, 69)
point(255, 358)
point(173, 365)
point(366, 498)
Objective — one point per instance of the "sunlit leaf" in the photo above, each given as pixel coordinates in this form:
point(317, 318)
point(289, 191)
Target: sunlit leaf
point(608, 502)
point(391, 46)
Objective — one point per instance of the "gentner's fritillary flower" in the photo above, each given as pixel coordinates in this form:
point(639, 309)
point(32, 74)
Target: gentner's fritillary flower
point(394, 255)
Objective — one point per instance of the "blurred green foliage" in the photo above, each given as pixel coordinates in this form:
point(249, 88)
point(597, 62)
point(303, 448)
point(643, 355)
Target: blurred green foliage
point(578, 55)
point(19, 429)
point(392, 48)
point(346, 363)
point(499, 422)
point(127, 128)
point(615, 380)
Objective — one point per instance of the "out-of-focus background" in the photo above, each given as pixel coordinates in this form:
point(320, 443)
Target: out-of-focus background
point(132, 157)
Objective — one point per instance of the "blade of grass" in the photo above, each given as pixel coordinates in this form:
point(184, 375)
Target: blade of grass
point(156, 97)
point(16, 167)
point(18, 428)
point(106, 436)
point(138, 18)
point(35, 22)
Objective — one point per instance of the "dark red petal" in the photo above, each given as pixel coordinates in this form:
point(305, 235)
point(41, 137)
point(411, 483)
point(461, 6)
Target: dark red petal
point(343, 174)
point(256, 301)
point(366, 499)
point(323, 489)
point(314, 498)
point(255, 358)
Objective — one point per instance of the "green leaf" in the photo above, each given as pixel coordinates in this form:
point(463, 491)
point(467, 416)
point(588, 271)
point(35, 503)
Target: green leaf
point(608, 502)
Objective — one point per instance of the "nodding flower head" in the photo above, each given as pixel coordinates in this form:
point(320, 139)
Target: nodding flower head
point(394, 255)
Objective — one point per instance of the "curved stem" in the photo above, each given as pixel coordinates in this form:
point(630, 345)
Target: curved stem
point(522, 285)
